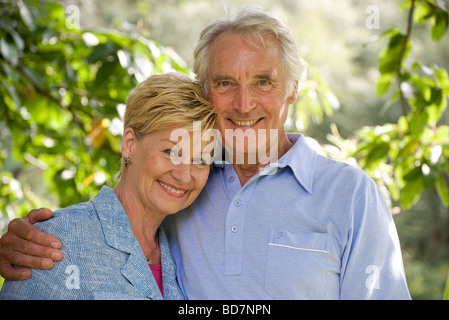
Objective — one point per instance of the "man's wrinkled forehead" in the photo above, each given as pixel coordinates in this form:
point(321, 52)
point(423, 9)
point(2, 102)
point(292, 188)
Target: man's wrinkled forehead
point(231, 53)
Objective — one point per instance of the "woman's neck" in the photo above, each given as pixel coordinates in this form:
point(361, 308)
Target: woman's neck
point(144, 224)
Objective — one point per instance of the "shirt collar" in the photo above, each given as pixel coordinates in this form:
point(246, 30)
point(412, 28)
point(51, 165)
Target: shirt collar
point(301, 159)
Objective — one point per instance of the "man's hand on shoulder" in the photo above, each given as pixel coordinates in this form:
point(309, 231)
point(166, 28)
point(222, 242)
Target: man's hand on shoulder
point(26, 246)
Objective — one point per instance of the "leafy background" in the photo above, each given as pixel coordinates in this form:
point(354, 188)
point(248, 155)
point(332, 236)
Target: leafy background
point(375, 96)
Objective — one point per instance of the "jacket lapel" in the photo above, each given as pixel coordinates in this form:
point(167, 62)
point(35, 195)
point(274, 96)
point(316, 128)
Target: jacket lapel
point(138, 272)
point(119, 235)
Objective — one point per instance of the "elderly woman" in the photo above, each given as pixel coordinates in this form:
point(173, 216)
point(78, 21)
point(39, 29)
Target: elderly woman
point(114, 246)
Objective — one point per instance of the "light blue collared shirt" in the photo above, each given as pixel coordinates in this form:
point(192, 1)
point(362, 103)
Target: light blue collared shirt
point(308, 227)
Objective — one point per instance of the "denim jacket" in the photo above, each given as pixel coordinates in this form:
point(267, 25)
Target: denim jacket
point(102, 258)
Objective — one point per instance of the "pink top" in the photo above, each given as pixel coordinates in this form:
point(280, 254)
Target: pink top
point(157, 273)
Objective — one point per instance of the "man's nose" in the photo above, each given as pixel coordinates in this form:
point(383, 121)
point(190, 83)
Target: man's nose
point(244, 100)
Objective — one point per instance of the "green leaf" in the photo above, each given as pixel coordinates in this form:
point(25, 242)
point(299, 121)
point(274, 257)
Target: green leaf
point(36, 76)
point(442, 190)
point(438, 104)
point(413, 186)
point(383, 84)
point(440, 23)
point(378, 152)
point(9, 51)
point(418, 121)
point(26, 15)
point(103, 74)
point(423, 12)
point(442, 77)
point(405, 5)
point(102, 52)
point(390, 58)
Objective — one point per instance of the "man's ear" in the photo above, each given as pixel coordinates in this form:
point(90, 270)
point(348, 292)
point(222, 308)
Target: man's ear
point(294, 94)
point(128, 142)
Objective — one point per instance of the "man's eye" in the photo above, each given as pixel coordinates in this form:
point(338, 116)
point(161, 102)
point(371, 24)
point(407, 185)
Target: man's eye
point(264, 85)
point(224, 86)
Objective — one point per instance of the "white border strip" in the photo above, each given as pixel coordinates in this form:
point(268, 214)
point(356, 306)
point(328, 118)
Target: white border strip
point(296, 248)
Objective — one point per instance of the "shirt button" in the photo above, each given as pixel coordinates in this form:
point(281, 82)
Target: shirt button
point(231, 179)
point(237, 203)
point(234, 228)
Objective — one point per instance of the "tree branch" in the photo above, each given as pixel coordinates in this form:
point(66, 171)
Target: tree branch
point(400, 71)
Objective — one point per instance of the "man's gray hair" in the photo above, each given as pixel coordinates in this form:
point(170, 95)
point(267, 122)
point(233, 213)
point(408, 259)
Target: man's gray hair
point(252, 23)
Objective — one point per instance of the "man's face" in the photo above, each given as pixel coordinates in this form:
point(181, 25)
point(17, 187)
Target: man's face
point(247, 87)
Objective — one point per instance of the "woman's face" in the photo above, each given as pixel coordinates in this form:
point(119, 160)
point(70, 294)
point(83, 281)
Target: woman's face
point(159, 181)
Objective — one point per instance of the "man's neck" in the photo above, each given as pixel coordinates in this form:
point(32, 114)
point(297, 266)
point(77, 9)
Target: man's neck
point(246, 171)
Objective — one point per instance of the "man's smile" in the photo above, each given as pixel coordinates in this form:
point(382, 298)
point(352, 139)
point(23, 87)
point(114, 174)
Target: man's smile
point(244, 123)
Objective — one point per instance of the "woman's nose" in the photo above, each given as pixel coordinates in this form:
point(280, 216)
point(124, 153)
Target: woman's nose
point(182, 173)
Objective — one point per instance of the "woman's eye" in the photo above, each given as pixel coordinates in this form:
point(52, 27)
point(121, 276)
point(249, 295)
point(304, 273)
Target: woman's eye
point(171, 152)
point(263, 82)
point(200, 162)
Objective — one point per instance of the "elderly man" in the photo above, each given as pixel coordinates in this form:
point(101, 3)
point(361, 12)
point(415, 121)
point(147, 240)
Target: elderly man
point(299, 226)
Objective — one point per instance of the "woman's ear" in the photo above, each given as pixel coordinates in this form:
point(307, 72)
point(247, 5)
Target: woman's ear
point(128, 142)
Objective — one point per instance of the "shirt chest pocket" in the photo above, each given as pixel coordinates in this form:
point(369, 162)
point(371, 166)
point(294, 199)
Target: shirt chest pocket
point(296, 266)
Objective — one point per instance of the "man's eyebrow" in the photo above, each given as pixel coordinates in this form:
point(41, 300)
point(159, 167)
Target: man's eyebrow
point(267, 76)
point(221, 78)
point(263, 75)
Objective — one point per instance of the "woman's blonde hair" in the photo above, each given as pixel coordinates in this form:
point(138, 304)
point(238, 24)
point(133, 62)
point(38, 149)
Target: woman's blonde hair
point(165, 101)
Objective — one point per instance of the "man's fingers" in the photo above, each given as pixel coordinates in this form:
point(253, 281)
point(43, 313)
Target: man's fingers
point(16, 249)
point(23, 229)
point(7, 271)
point(20, 259)
point(25, 245)
point(39, 215)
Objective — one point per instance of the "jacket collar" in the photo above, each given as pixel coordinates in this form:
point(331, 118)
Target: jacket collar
point(119, 235)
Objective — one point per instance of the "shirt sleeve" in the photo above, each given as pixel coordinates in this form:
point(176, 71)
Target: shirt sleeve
point(53, 284)
point(372, 266)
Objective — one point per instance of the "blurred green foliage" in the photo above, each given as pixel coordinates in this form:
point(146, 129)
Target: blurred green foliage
point(412, 154)
point(63, 91)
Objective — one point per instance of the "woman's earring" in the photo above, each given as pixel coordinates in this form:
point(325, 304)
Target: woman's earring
point(127, 160)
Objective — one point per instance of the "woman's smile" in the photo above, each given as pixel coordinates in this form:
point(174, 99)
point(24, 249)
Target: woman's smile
point(172, 190)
